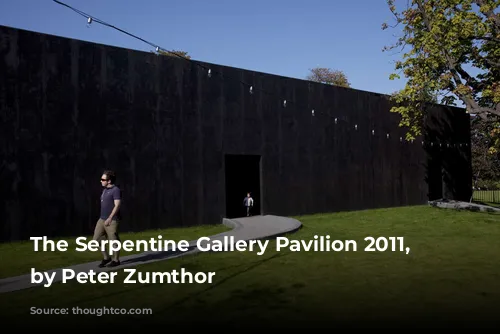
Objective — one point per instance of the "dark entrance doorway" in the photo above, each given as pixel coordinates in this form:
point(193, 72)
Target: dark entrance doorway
point(242, 176)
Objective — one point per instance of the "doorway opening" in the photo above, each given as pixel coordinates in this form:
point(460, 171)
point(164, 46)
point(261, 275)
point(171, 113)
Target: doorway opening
point(242, 177)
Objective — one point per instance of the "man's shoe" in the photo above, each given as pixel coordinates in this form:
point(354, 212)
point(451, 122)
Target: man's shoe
point(104, 263)
point(114, 264)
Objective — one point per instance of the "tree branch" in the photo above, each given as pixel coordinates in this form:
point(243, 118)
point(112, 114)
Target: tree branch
point(455, 70)
point(495, 18)
point(487, 38)
point(492, 63)
point(471, 81)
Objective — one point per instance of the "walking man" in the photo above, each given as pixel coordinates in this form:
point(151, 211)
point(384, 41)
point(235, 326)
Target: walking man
point(107, 225)
point(248, 202)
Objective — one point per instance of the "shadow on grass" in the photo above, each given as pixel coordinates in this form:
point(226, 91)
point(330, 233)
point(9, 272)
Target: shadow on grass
point(124, 291)
point(224, 280)
point(158, 256)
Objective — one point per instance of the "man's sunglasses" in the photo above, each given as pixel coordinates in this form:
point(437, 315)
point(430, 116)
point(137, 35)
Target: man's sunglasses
point(103, 179)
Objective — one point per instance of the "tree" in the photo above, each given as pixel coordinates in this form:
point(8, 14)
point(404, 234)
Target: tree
point(452, 51)
point(174, 53)
point(485, 163)
point(328, 76)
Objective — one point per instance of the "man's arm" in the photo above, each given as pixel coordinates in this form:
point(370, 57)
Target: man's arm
point(117, 201)
point(115, 209)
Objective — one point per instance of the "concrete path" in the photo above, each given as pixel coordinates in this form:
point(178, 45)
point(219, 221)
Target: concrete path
point(460, 205)
point(247, 228)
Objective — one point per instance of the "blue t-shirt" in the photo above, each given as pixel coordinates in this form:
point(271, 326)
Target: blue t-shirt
point(108, 197)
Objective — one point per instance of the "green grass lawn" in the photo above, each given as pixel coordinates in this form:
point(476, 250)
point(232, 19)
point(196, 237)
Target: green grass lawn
point(451, 276)
point(19, 257)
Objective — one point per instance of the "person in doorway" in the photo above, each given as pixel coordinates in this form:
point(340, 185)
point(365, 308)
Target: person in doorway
point(248, 202)
point(107, 225)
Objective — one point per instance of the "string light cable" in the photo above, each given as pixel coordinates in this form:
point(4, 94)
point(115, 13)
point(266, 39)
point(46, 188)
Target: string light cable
point(251, 89)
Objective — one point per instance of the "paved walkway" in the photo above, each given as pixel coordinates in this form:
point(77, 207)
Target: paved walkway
point(460, 205)
point(248, 228)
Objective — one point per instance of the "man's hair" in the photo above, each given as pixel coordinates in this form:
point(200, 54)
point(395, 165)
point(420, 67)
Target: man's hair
point(110, 175)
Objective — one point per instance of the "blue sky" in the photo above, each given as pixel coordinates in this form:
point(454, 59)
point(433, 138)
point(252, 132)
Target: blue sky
point(283, 37)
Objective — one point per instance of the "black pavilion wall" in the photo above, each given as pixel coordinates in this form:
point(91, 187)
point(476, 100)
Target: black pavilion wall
point(70, 109)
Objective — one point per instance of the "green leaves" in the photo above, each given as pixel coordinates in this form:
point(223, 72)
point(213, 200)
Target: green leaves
point(175, 53)
point(394, 76)
point(454, 50)
point(328, 76)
